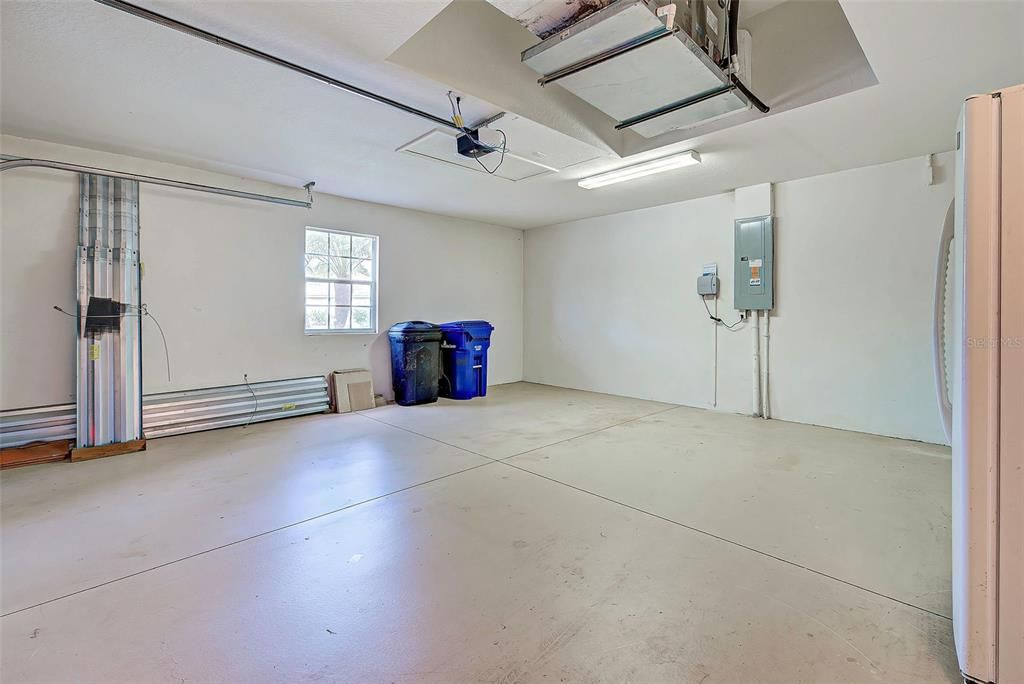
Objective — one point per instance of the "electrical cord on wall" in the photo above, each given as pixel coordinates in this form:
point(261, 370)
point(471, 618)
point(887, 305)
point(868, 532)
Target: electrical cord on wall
point(141, 311)
point(255, 401)
point(717, 320)
point(714, 400)
point(733, 327)
point(160, 329)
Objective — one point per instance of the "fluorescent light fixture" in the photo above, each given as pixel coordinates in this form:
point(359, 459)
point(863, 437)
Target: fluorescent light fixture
point(673, 161)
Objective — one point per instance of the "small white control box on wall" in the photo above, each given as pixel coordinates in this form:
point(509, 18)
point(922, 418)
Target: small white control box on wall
point(707, 283)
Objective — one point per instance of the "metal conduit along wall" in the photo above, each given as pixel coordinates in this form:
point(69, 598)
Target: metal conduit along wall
point(109, 397)
point(11, 162)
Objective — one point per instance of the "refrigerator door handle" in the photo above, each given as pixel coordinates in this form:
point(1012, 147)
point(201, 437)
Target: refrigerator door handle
point(943, 277)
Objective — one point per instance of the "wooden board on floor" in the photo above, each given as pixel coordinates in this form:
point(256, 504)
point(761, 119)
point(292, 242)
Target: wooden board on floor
point(89, 453)
point(37, 452)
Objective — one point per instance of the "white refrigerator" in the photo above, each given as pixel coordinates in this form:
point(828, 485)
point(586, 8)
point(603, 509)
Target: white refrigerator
point(986, 387)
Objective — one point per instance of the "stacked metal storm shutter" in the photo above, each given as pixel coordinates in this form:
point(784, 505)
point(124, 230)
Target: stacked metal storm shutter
point(109, 405)
point(183, 411)
point(36, 424)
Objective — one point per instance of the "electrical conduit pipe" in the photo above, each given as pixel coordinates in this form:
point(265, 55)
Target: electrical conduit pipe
point(756, 395)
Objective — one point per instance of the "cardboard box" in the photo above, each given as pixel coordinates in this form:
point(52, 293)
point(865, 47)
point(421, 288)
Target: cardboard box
point(353, 390)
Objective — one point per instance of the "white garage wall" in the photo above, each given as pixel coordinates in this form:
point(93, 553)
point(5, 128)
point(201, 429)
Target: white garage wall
point(611, 302)
point(224, 278)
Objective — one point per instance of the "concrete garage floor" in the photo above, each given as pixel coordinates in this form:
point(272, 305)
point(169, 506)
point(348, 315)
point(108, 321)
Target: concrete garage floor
point(539, 534)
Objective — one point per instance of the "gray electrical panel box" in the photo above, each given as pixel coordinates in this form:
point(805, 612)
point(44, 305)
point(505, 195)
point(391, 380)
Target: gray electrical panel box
point(754, 268)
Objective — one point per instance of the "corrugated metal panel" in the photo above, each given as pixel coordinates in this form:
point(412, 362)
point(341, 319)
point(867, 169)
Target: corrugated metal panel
point(172, 413)
point(109, 360)
point(37, 424)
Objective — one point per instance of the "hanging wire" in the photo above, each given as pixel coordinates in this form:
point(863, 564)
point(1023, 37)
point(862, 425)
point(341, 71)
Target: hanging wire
point(504, 144)
point(716, 319)
point(456, 103)
point(167, 354)
point(456, 112)
point(255, 401)
point(141, 311)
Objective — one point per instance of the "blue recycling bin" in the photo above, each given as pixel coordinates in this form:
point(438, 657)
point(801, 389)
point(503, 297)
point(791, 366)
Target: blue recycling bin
point(464, 346)
point(415, 361)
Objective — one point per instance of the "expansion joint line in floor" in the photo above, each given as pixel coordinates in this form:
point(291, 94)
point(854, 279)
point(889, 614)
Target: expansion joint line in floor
point(504, 461)
point(420, 434)
point(489, 461)
point(727, 541)
point(527, 451)
point(251, 537)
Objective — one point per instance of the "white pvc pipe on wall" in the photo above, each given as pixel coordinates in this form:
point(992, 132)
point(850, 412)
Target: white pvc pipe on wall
point(764, 368)
point(756, 395)
point(765, 365)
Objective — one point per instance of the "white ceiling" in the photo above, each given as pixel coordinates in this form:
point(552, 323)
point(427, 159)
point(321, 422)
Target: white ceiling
point(80, 73)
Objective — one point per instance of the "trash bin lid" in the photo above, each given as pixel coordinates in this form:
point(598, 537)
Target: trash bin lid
point(415, 328)
point(474, 328)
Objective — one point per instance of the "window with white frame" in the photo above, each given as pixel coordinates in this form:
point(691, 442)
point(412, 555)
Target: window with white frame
point(341, 281)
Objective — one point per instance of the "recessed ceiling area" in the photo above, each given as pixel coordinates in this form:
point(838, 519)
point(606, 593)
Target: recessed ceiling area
point(270, 124)
point(801, 52)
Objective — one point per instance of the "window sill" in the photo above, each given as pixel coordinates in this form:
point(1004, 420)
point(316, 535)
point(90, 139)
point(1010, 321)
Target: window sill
point(341, 332)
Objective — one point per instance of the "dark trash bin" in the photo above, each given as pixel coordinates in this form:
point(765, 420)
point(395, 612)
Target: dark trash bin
point(464, 346)
point(415, 361)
